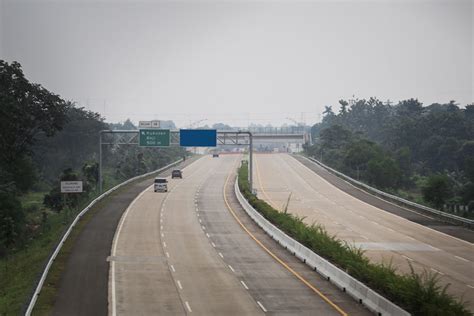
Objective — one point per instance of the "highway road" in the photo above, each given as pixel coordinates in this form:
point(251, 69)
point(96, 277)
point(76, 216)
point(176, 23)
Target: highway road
point(187, 251)
point(83, 287)
point(385, 236)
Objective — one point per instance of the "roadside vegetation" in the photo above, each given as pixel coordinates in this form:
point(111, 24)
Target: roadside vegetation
point(45, 140)
point(420, 153)
point(419, 294)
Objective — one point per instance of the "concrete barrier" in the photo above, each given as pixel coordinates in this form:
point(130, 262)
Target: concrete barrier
point(359, 291)
point(53, 256)
point(447, 217)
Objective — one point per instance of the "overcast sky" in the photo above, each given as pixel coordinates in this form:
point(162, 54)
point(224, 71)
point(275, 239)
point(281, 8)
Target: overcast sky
point(240, 61)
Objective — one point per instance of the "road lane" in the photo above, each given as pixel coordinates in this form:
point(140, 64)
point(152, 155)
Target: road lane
point(164, 261)
point(385, 236)
point(182, 252)
point(83, 287)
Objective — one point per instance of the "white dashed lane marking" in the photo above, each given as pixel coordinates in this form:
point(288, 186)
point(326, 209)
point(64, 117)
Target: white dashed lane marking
point(188, 306)
point(262, 307)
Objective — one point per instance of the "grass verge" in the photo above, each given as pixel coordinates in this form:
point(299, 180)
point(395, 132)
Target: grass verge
point(419, 294)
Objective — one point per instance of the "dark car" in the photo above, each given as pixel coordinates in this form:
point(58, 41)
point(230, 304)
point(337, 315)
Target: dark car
point(215, 155)
point(176, 174)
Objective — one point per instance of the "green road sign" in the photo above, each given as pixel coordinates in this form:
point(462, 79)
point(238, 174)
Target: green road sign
point(155, 137)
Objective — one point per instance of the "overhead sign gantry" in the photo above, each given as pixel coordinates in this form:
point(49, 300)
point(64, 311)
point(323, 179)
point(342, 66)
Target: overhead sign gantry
point(156, 137)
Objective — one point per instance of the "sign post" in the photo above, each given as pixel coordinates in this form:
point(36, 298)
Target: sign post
point(68, 187)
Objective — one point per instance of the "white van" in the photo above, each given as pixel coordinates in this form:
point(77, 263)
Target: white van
point(161, 185)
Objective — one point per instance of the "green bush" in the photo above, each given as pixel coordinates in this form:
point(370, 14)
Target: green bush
point(419, 294)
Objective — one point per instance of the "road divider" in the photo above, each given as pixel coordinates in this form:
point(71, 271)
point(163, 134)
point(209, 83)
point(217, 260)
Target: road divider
point(75, 221)
point(446, 217)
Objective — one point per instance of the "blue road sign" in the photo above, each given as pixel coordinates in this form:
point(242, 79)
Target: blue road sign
point(198, 137)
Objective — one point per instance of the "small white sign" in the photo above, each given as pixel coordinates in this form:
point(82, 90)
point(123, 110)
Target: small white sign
point(155, 124)
point(149, 124)
point(71, 186)
point(144, 124)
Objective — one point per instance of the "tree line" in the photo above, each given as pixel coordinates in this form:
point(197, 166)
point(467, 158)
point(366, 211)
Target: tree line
point(424, 153)
point(45, 140)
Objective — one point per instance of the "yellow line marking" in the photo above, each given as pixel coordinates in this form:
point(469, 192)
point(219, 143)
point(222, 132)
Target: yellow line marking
point(296, 274)
point(269, 200)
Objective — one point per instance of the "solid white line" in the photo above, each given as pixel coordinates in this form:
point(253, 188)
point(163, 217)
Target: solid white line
point(245, 285)
point(230, 267)
point(167, 254)
point(261, 306)
point(188, 307)
point(114, 247)
point(222, 256)
point(213, 244)
point(172, 268)
point(179, 284)
point(408, 258)
point(461, 258)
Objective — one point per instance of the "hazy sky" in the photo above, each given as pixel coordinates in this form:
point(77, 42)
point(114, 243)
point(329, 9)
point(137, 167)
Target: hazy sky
point(240, 61)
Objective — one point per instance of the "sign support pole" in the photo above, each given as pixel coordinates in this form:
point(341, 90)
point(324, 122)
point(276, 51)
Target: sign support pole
point(251, 162)
point(100, 162)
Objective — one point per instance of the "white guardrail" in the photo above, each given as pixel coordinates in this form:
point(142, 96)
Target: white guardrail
point(395, 199)
point(34, 297)
point(363, 294)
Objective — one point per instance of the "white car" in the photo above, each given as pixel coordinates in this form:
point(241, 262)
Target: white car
point(161, 185)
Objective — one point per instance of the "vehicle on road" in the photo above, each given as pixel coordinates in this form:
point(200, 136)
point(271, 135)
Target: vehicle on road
point(215, 155)
point(161, 185)
point(176, 174)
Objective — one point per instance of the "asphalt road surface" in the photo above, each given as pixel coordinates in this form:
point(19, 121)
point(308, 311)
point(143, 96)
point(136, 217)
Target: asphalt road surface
point(283, 181)
point(184, 252)
point(83, 288)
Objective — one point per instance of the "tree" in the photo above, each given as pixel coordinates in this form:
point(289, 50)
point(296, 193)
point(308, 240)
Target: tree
point(26, 111)
point(90, 170)
point(335, 136)
point(437, 190)
point(12, 220)
point(344, 105)
point(383, 172)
